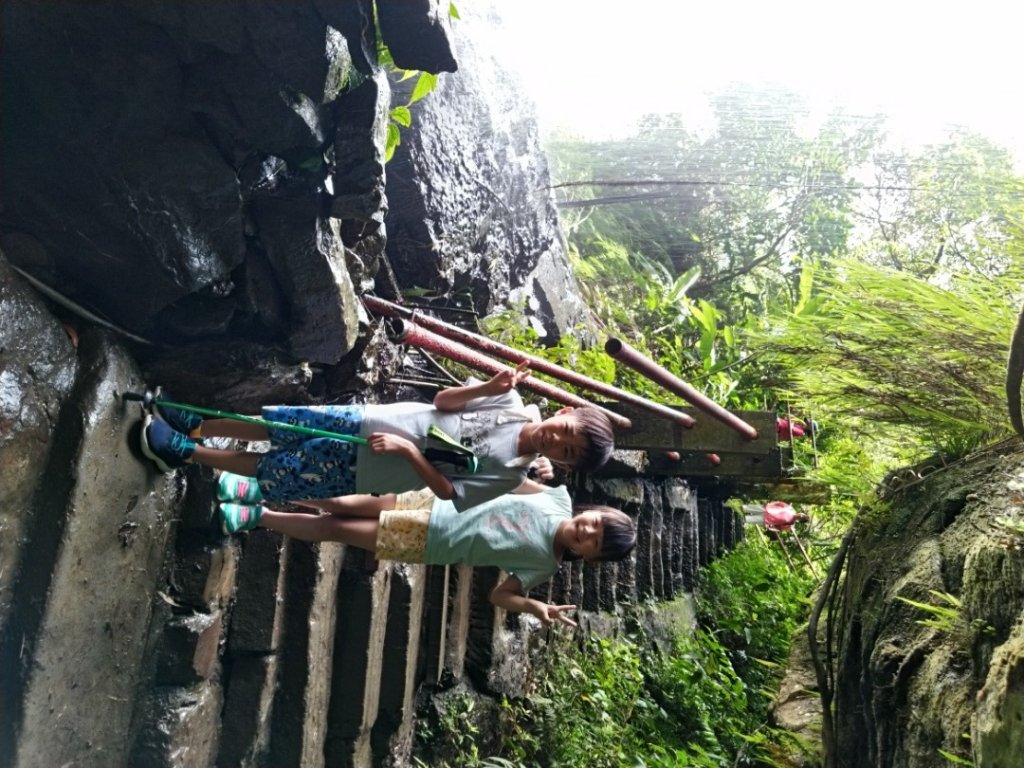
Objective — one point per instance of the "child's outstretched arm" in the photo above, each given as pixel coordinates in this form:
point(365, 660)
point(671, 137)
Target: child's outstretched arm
point(509, 595)
point(455, 398)
point(385, 442)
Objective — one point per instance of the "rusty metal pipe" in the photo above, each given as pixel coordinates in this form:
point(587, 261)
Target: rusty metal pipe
point(625, 354)
point(410, 333)
point(483, 344)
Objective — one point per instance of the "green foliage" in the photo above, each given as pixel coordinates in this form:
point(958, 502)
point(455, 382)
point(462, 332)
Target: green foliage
point(451, 730)
point(944, 211)
point(611, 703)
point(955, 759)
point(510, 327)
point(638, 301)
point(886, 353)
point(587, 701)
point(944, 615)
point(702, 701)
point(755, 601)
point(400, 116)
point(1015, 527)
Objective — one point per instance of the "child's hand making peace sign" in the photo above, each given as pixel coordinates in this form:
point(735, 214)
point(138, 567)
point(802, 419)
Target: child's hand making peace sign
point(508, 379)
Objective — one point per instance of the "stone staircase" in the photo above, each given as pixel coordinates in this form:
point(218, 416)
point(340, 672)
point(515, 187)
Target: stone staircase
point(135, 634)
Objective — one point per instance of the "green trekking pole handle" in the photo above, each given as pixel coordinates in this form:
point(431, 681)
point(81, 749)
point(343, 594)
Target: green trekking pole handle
point(263, 422)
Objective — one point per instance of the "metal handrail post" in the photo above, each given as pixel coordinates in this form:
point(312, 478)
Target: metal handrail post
point(622, 352)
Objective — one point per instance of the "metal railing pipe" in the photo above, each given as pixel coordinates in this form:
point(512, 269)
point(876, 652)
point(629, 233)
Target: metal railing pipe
point(410, 333)
point(483, 344)
point(625, 354)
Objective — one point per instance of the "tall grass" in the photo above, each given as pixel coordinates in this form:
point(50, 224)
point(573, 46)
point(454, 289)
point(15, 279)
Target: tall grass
point(894, 351)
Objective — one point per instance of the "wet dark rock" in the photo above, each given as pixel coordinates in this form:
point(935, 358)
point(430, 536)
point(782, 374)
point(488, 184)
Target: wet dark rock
point(239, 378)
point(359, 202)
point(95, 536)
point(140, 183)
point(459, 220)
point(37, 374)
point(418, 34)
point(179, 722)
point(308, 262)
point(189, 649)
point(906, 687)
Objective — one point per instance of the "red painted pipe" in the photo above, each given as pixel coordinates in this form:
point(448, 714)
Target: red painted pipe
point(483, 344)
point(626, 355)
point(410, 333)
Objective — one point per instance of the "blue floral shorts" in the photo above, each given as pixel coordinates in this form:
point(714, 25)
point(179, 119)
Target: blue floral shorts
point(300, 466)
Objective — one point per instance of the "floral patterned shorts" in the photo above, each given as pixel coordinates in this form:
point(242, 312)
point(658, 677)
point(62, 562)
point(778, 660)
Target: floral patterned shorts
point(424, 498)
point(402, 535)
point(300, 466)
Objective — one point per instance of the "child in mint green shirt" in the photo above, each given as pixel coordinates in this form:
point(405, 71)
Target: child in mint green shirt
point(527, 535)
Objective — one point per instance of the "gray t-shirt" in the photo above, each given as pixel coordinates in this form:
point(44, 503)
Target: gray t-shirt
point(490, 426)
point(515, 532)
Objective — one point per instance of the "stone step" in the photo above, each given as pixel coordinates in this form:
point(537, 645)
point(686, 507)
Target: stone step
point(74, 647)
point(391, 733)
point(481, 627)
point(460, 615)
point(254, 641)
point(306, 663)
point(180, 711)
point(362, 605)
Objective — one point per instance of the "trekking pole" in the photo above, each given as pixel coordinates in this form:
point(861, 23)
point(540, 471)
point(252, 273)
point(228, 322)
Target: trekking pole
point(803, 551)
point(462, 458)
point(785, 550)
point(148, 400)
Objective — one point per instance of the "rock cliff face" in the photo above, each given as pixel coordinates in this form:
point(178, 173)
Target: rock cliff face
point(912, 682)
point(211, 177)
point(480, 222)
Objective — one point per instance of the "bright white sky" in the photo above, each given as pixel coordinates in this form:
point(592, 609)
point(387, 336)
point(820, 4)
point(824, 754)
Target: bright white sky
point(594, 66)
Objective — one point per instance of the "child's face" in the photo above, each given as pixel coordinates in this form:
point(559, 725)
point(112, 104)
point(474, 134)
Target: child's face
point(560, 439)
point(585, 533)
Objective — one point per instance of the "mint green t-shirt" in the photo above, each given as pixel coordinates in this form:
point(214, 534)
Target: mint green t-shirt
point(515, 532)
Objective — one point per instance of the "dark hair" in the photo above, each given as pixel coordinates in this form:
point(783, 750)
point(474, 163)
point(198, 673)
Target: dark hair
point(618, 536)
point(595, 424)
